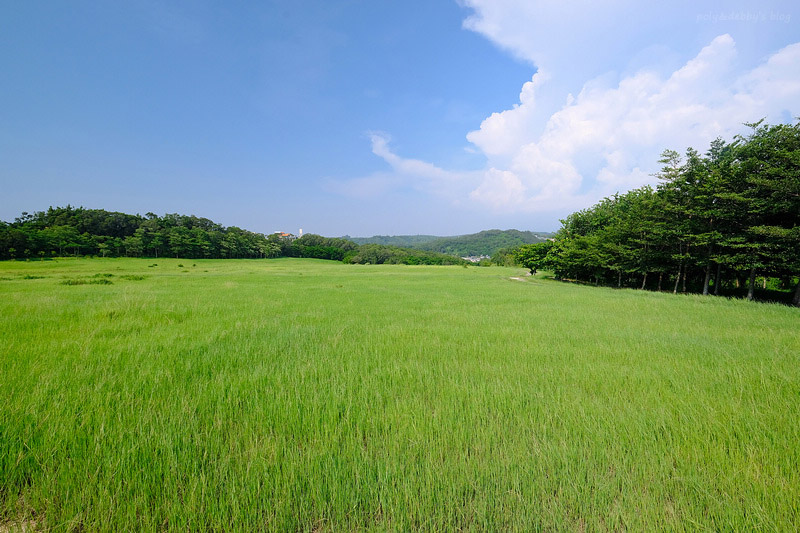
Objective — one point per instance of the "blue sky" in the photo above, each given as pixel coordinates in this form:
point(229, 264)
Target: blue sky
point(374, 116)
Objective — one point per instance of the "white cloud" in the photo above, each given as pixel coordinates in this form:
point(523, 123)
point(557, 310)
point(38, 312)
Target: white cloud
point(776, 80)
point(546, 33)
point(414, 169)
point(506, 131)
point(608, 138)
point(500, 189)
point(405, 173)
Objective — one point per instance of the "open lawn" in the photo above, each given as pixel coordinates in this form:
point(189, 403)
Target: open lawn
point(291, 394)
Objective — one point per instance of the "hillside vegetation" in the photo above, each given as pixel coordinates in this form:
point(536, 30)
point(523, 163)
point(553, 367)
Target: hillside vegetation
point(403, 241)
point(308, 395)
point(485, 243)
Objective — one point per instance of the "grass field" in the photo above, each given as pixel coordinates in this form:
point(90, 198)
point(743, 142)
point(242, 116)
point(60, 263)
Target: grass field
point(303, 395)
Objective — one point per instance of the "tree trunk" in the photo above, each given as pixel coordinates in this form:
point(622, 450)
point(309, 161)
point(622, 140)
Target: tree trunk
point(751, 284)
point(717, 279)
point(677, 279)
point(685, 270)
point(619, 278)
point(796, 299)
point(644, 280)
point(660, 277)
point(707, 279)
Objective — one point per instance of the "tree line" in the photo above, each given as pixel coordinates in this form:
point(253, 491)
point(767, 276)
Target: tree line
point(63, 231)
point(715, 224)
point(71, 231)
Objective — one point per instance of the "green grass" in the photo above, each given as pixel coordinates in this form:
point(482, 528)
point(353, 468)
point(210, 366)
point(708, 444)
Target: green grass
point(315, 396)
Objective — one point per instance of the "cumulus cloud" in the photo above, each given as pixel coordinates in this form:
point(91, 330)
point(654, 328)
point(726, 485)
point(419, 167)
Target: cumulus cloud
point(503, 133)
point(608, 138)
point(547, 34)
point(500, 189)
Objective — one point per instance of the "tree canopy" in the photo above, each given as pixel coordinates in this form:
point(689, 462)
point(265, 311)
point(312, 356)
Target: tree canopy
point(714, 224)
point(533, 256)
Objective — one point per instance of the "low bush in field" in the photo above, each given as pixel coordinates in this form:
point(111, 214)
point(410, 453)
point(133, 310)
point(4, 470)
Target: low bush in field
point(84, 281)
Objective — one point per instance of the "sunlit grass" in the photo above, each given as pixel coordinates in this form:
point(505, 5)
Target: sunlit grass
point(309, 395)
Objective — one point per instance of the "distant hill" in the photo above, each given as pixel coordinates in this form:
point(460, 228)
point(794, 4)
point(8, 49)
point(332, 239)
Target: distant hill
point(394, 240)
point(483, 243)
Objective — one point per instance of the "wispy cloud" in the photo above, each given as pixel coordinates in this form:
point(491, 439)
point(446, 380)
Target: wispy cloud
point(405, 173)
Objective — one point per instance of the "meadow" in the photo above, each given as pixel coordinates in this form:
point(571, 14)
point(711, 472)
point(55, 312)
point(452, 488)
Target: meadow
point(305, 395)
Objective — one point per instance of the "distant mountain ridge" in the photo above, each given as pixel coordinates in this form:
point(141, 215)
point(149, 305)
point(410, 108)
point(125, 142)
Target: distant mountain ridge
point(485, 242)
point(394, 240)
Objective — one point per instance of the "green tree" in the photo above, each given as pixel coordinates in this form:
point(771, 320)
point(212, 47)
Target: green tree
point(533, 256)
point(769, 183)
point(133, 246)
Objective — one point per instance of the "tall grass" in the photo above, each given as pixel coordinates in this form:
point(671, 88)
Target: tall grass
point(308, 395)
